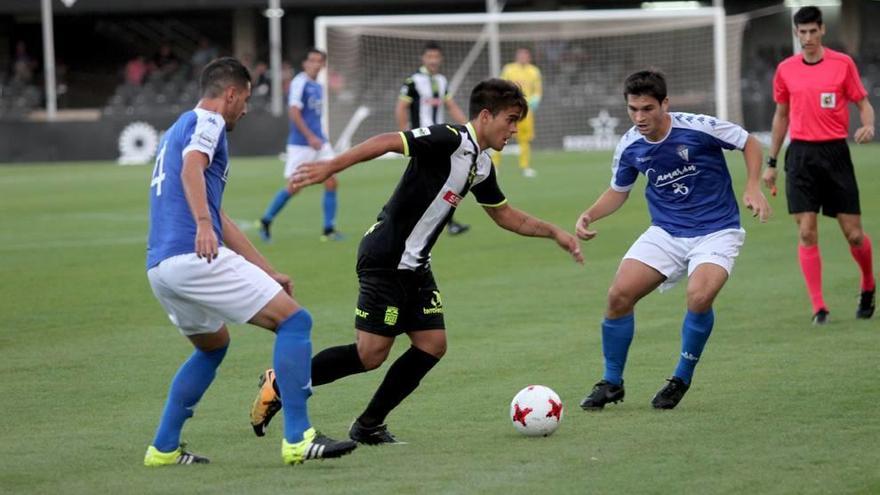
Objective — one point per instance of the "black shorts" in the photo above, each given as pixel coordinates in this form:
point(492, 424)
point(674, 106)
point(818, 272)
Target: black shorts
point(392, 302)
point(819, 176)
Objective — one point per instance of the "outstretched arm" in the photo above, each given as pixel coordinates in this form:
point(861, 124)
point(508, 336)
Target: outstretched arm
point(235, 240)
point(609, 202)
point(753, 198)
point(520, 222)
point(317, 172)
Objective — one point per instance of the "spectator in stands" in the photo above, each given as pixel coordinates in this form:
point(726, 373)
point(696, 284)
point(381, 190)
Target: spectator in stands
point(23, 65)
point(262, 82)
point(166, 61)
point(204, 54)
point(136, 70)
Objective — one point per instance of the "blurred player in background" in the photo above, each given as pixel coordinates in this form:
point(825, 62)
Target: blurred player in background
point(695, 228)
point(528, 77)
point(423, 97)
point(812, 90)
point(398, 294)
point(205, 273)
point(306, 142)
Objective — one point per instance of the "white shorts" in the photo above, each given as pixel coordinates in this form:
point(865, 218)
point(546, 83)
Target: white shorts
point(676, 257)
point(297, 155)
point(200, 297)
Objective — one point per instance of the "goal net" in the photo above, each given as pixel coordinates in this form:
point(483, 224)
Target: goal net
point(584, 56)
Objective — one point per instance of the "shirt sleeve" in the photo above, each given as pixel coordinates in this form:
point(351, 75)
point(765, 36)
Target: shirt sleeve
point(623, 173)
point(206, 135)
point(726, 134)
point(487, 191)
point(852, 84)
point(295, 96)
point(436, 139)
point(408, 90)
point(780, 91)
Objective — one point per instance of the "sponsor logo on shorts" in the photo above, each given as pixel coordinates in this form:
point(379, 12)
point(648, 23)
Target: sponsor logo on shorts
point(361, 313)
point(391, 315)
point(828, 100)
point(421, 132)
point(452, 198)
point(436, 305)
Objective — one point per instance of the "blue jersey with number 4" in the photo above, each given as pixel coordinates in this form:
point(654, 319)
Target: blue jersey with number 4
point(689, 190)
point(172, 227)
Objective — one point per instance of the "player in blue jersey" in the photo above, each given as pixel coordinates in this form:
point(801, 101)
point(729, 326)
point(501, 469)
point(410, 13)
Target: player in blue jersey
point(695, 227)
point(205, 272)
point(306, 142)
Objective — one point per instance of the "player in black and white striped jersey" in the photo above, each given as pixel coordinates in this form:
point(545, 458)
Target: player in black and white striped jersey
point(397, 290)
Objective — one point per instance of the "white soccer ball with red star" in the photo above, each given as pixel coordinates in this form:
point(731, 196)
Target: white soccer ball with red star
point(536, 411)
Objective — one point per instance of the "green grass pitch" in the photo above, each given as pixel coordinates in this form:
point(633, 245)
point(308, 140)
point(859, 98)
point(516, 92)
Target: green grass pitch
point(86, 353)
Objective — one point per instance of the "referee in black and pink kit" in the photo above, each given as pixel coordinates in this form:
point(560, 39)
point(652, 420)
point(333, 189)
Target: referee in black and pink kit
point(812, 90)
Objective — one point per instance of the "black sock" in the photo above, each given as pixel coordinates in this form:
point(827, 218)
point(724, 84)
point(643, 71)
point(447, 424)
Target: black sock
point(332, 364)
point(401, 380)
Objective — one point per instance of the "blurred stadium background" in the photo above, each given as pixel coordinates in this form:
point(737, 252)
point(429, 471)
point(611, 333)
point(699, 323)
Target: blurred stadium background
point(122, 61)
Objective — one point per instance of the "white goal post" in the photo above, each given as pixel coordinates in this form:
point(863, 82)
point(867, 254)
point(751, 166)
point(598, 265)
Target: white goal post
point(583, 55)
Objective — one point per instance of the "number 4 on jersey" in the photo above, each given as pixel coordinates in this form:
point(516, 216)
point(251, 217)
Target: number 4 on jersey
point(158, 172)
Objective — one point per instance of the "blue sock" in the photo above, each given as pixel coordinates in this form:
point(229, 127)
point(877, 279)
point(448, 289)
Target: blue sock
point(187, 387)
point(293, 372)
point(617, 335)
point(276, 205)
point(695, 332)
point(329, 210)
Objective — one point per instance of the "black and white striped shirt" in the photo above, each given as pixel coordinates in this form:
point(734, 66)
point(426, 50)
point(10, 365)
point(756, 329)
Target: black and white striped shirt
point(446, 162)
point(427, 95)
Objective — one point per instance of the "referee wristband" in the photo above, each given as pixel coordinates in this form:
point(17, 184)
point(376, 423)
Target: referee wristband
point(771, 162)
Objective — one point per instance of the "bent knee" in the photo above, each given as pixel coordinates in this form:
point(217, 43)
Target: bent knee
point(372, 359)
point(620, 302)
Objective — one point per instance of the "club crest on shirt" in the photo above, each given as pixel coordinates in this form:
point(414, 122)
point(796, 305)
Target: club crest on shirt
point(827, 100)
point(682, 152)
point(452, 198)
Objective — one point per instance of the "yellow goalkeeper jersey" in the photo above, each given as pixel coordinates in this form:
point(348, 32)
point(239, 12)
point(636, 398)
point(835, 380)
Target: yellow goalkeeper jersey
point(527, 76)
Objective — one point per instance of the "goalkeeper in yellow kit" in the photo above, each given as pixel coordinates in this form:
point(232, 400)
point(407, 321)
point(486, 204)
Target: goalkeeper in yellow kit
point(528, 77)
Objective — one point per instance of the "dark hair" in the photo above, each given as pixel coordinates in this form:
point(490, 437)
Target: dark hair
point(431, 45)
point(312, 50)
point(496, 95)
point(646, 83)
point(808, 15)
point(222, 73)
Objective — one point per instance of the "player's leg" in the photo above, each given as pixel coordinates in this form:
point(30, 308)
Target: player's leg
point(210, 338)
point(843, 200)
point(805, 181)
point(292, 365)
point(634, 280)
point(710, 265)
point(861, 250)
point(455, 228)
point(401, 380)
point(296, 155)
point(524, 136)
point(329, 202)
point(422, 312)
point(810, 259)
point(187, 387)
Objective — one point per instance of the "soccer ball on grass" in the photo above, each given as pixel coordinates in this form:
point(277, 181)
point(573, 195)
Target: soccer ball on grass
point(536, 411)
